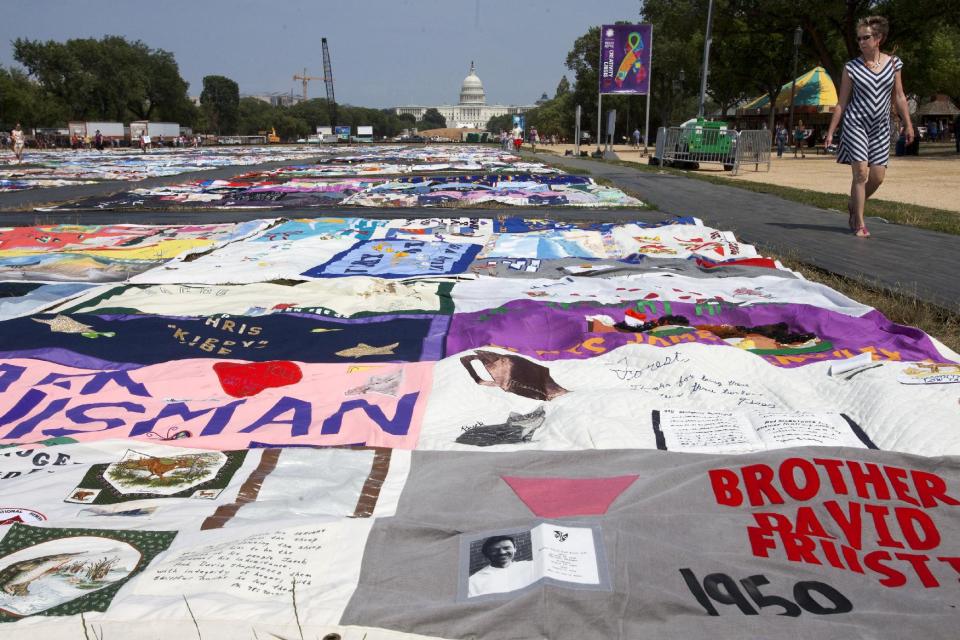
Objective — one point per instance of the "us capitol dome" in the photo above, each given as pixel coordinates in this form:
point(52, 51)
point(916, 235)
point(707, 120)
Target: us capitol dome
point(472, 111)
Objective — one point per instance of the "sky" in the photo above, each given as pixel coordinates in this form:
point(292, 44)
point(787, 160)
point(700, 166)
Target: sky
point(384, 53)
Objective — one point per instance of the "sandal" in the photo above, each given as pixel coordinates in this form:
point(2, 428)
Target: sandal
point(862, 232)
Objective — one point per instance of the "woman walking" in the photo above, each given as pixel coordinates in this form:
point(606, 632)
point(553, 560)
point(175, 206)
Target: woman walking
point(864, 107)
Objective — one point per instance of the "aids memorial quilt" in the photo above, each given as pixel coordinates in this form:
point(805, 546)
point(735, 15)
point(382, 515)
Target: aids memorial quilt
point(45, 168)
point(297, 188)
point(450, 427)
point(108, 253)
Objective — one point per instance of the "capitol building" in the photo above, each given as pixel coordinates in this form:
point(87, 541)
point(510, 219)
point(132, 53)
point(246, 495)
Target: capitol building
point(472, 112)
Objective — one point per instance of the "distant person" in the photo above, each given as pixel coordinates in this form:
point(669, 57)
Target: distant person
point(865, 89)
point(636, 138)
point(503, 573)
point(17, 138)
point(534, 137)
point(781, 140)
point(517, 138)
point(799, 134)
point(933, 131)
point(956, 132)
point(98, 140)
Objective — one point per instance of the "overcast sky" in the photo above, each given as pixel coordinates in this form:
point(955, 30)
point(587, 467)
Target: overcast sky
point(384, 52)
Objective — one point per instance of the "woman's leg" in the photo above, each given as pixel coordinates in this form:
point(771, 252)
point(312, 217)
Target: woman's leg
point(858, 197)
point(874, 180)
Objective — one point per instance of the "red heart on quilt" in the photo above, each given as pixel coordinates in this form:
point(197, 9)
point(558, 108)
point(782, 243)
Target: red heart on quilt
point(245, 380)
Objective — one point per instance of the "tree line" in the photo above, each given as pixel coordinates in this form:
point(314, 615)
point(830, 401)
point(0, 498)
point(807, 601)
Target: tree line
point(115, 80)
point(751, 55)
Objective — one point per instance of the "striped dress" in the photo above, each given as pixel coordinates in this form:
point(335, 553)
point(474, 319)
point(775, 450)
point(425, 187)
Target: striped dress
point(866, 120)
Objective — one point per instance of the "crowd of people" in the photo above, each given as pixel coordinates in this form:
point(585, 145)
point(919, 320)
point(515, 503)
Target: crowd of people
point(16, 141)
point(515, 138)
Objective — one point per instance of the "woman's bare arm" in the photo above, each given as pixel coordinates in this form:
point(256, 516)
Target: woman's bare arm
point(846, 88)
point(900, 100)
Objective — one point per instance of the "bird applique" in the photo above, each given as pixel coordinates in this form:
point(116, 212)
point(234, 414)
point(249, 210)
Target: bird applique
point(363, 350)
point(64, 324)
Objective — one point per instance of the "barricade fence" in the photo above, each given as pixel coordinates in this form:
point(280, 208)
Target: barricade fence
point(689, 147)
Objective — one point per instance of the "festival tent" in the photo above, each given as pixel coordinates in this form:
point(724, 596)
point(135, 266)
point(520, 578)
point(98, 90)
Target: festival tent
point(940, 110)
point(940, 106)
point(814, 93)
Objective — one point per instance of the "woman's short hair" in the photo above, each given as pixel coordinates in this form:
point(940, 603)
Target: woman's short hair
point(878, 26)
point(489, 542)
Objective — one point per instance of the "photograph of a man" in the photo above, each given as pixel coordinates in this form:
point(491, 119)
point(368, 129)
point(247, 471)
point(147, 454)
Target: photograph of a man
point(507, 569)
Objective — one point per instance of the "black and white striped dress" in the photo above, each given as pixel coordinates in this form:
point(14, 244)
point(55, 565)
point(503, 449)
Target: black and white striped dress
point(866, 120)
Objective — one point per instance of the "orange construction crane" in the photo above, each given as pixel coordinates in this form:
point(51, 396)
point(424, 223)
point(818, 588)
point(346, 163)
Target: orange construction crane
point(306, 79)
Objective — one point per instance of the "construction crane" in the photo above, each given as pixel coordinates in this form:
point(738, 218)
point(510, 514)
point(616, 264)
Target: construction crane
point(327, 78)
point(328, 81)
point(306, 79)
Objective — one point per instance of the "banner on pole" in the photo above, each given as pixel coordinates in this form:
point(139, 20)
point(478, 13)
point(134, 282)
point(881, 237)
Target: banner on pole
point(625, 58)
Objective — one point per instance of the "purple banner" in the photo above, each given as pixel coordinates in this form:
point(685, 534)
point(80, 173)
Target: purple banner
point(625, 58)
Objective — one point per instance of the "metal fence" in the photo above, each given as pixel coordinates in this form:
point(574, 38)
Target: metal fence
point(689, 147)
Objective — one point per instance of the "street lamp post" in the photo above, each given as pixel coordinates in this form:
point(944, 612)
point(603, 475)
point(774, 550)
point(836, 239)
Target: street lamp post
point(705, 71)
point(797, 37)
point(678, 87)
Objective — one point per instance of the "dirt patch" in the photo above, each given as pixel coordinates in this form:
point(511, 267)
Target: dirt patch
point(449, 133)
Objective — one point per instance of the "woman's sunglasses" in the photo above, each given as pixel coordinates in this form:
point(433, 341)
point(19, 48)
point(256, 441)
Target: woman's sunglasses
point(863, 38)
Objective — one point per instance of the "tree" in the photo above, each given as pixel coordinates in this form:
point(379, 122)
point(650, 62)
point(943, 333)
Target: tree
point(553, 117)
point(678, 27)
point(315, 112)
point(220, 101)
point(496, 124)
point(941, 50)
point(24, 101)
point(563, 87)
point(254, 116)
point(584, 60)
point(107, 79)
point(433, 119)
point(920, 32)
point(754, 55)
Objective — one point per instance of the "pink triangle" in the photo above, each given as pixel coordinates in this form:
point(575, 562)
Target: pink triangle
point(562, 497)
